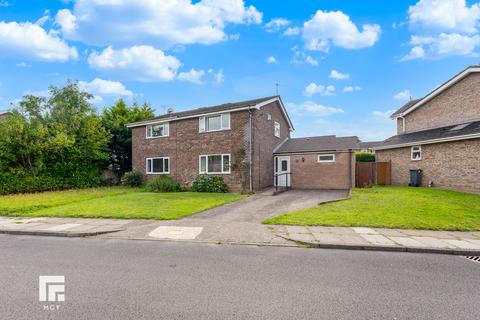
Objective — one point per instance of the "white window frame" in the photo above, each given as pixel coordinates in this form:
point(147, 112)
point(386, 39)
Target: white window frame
point(156, 158)
point(325, 154)
point(203, 122)
point(415, 149)
point(166, 130)
point(277, 129)
point(206, 163)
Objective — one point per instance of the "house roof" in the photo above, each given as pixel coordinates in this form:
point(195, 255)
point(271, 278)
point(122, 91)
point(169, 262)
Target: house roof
point(230, 106)
point(369, 144)
point(315, 144)
point(467, 130)
point(414, 104)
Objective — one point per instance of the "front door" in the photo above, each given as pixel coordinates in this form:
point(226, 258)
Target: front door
point(282, 171)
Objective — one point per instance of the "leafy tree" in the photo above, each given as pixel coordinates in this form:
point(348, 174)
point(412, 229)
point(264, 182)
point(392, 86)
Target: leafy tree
point(60, 137)
point(115, 120)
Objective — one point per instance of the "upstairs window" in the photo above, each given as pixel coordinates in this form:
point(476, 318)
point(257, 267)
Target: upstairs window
point(158, 130)
point(276, 129)
point(214, 123)
point(416, 153)
point(218, 163)
point(158, 165)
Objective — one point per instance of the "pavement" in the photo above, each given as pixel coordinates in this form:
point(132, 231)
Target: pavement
point(240, 223)
point(119, 279)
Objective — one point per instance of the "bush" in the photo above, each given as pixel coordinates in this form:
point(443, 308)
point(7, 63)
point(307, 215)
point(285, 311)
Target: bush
point(163, 184)
point(365, 157)
point(133, 179)
point(204, 183)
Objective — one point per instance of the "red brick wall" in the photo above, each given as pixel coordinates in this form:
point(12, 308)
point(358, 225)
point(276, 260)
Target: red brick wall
point(311, 174)
point(265, 142)
point(450, 165)
point(185, 144)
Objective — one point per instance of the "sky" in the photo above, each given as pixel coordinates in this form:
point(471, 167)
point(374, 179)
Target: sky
point(342, 66)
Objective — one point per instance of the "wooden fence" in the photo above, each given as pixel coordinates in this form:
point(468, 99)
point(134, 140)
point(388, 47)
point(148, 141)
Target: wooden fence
point(368, 173)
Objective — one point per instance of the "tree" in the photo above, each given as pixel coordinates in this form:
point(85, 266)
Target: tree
point(60, 137)
point(115, 120)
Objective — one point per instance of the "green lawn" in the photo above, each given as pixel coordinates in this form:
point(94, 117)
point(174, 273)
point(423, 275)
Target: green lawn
point(115, 202)
point(393, 207)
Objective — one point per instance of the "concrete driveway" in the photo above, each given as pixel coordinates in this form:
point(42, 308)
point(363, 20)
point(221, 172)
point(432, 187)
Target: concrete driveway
point(238, 222)
point(264, 205)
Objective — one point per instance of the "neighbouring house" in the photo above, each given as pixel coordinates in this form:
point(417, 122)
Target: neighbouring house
point(368, 145)
point(247, 143)
point(440, 135)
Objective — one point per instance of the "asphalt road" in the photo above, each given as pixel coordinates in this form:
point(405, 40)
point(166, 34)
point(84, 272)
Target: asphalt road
point(122, 279)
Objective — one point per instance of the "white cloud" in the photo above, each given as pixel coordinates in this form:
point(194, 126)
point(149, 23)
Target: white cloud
point(40, 22)
point(151, 22)
point(328, 28)
point(23, 65)
point(276, 25)
point(141, 63)
point(32, 41)
point(105, 87)
point(338, 75)
point(292, 31)
point(322, 90)
point(194, 76)
point(351, 88)
point(404, 95)
point(311, 61)
point(218, 77)
point(444, 15)
point(271, 60)
point(443, 28)
point(382, 115)
point(5, 3)
point(309, 107)
point(66, 20)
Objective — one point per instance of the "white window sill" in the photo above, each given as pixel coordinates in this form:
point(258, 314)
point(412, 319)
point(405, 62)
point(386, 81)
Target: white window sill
point(213, 173)
point(156, 173)
point(214, 130)
point(158, 137)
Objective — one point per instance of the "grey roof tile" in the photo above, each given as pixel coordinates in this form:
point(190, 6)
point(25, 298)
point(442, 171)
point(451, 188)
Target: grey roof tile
point(450, 131)
point(315, 144)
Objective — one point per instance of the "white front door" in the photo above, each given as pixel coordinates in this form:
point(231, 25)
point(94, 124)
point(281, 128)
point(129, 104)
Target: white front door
point(282, 171)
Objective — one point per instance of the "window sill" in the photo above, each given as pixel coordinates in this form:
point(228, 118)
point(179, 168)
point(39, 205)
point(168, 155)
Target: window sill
point(157, 173)
point(214, 173)
point(148, 138)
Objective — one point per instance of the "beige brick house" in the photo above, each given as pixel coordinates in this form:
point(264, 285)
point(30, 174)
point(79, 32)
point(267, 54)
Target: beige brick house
point(440, 135)
point(224, 139)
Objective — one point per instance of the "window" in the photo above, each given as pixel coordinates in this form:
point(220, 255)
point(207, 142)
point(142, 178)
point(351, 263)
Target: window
point(158, 130)
point(218, 163)
point(326, 158)
point(158, 165)
point(276, 129)
point(214, 123)
point(416, 153)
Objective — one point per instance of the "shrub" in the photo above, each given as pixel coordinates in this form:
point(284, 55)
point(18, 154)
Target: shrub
point(163, 184)
point(365, 157)
point(133, 179)
point(204, 183)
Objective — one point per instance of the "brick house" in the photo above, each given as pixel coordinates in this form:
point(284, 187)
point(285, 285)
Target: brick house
point(224, 139)
point(440, 135)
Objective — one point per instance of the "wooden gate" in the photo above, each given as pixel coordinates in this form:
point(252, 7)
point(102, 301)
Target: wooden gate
point(369, 173)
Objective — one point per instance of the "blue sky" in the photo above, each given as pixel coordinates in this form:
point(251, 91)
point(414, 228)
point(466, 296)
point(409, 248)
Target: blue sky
point(343, 66)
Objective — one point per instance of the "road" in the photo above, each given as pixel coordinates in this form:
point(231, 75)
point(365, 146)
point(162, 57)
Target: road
point(127, 279)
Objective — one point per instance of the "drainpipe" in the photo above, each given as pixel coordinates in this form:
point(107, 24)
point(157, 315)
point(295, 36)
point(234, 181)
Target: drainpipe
point(250, 129)
point(350, 172)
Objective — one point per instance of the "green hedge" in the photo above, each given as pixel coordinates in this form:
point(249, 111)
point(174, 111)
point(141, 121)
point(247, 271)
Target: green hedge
point(365, 157)
point(204, 183)
point(163, 184)
point(58, 179)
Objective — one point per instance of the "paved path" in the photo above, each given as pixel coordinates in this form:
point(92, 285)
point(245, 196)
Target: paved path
point(117, 279)
point(393, 239)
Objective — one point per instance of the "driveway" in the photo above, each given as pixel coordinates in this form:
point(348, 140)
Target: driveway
point(264, 205)
point(237, 222)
